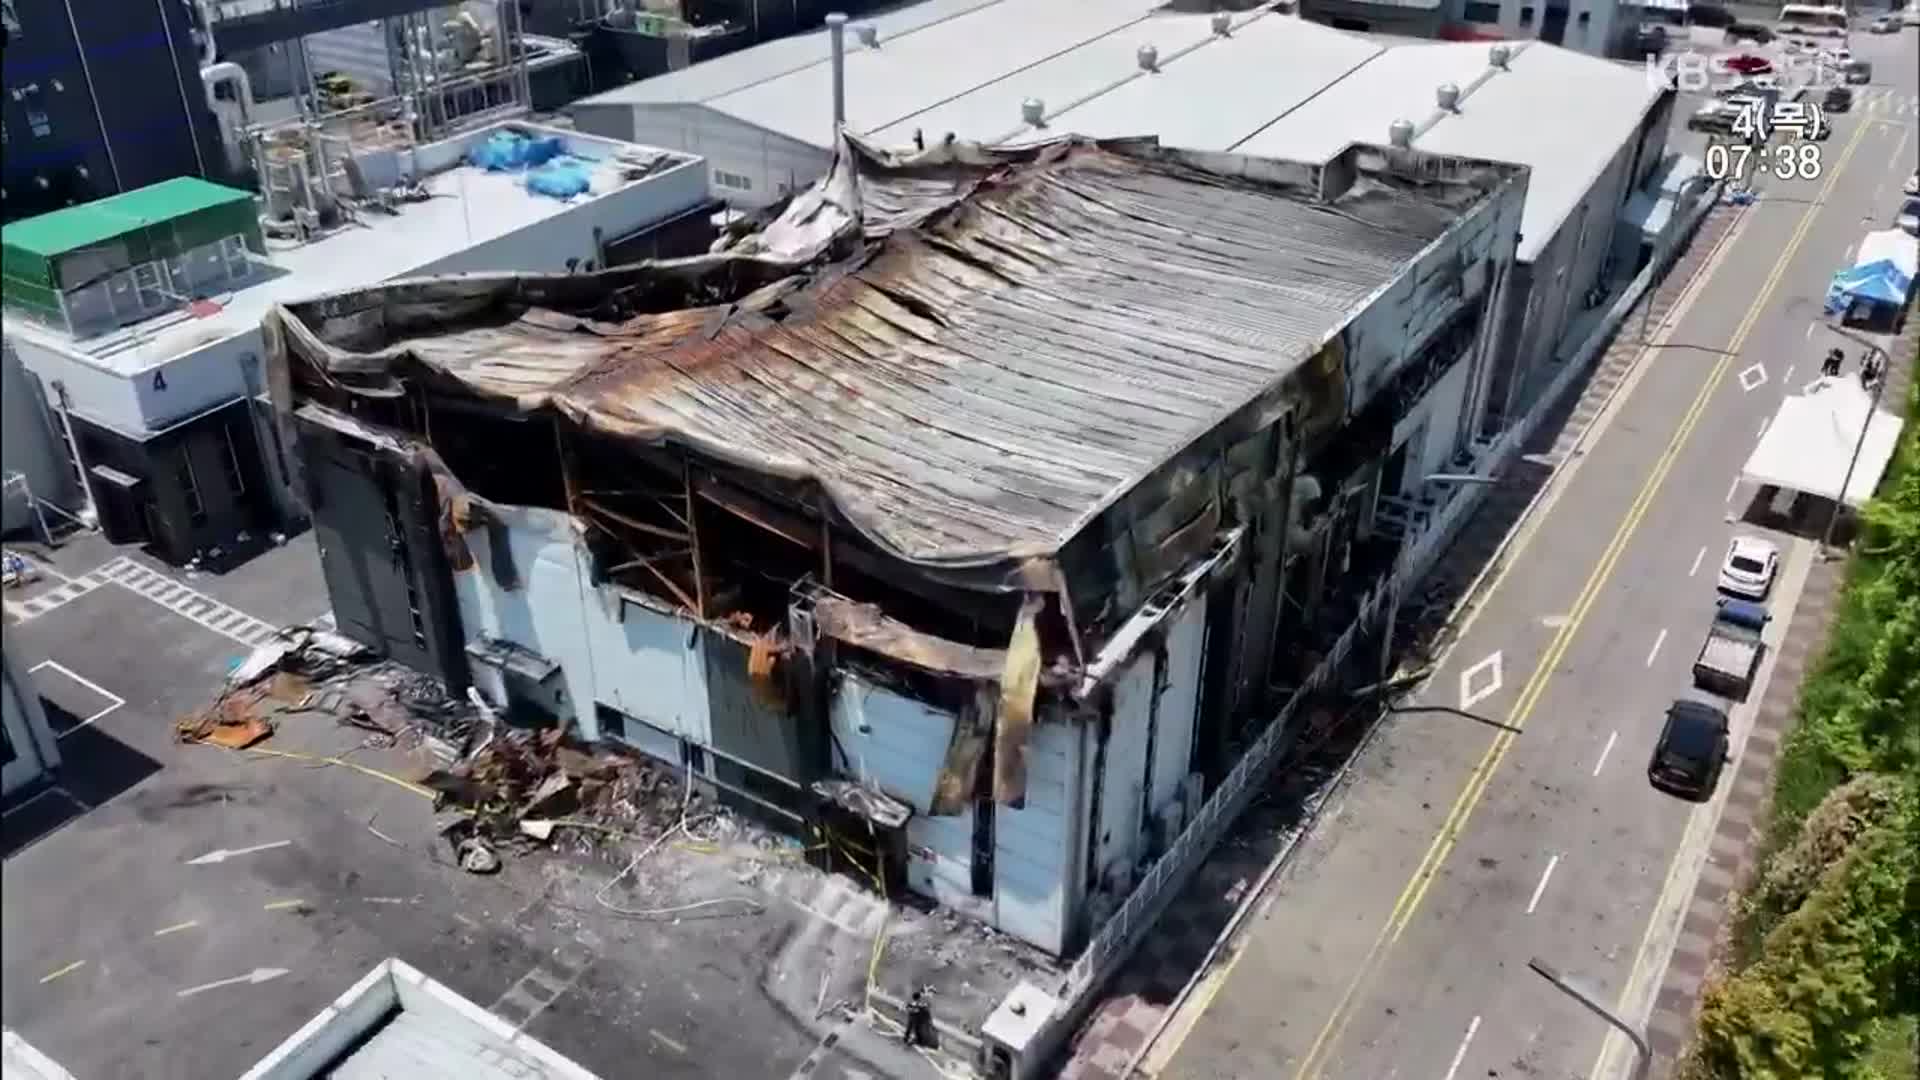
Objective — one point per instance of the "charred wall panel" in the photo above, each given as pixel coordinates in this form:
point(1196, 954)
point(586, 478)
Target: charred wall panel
point(375, 519)
point(751, 722)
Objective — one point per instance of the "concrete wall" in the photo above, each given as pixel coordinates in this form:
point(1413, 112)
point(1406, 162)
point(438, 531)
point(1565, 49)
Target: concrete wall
point(770, 164)
point(29, 445)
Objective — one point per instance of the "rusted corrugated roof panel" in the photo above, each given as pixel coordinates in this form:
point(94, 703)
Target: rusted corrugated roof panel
point(994, 376)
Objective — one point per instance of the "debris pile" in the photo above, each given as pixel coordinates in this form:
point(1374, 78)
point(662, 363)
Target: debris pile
point(517, 788)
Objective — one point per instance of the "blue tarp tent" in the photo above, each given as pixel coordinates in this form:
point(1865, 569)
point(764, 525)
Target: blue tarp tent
point(1882, 273)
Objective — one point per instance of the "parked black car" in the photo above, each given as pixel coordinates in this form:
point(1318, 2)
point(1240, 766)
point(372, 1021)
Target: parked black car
point(1743, 31)
point(1838, 99)
point(1692, 751)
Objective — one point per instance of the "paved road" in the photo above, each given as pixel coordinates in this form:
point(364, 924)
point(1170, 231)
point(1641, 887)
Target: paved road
point(1396, 944)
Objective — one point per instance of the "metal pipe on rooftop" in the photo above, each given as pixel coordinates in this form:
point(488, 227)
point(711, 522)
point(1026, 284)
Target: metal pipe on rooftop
point(837, 35)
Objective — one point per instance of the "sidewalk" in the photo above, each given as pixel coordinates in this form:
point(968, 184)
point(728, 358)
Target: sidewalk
point(1146, 987)
point(1731, 862)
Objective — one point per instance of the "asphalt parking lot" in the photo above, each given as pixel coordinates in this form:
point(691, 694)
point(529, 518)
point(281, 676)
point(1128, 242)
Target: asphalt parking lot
point(177, 910)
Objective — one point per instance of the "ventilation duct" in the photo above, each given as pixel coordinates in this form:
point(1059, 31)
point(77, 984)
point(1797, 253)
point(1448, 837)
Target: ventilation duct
point(837, 39)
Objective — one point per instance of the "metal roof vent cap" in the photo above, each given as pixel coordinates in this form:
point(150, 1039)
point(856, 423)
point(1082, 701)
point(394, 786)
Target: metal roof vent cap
point(1448, 95)
point(1499, 55)
point(868, 34)
point(1223, 23)
point(1034, 112)
point(1400, 133)
point(1149, 58)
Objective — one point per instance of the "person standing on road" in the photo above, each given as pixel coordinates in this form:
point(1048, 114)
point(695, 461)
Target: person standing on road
point(1830, 367)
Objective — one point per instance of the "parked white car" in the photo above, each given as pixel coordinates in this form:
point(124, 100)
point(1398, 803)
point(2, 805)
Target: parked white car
point(1912, 186)
point(1749, 567)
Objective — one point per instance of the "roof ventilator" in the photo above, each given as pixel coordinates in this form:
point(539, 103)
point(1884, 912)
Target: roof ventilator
point(1149, 58)
point(1400, 133)
point(1448, 95)
point(868, 34)
point(1223, 23)
point(1499, 55)
point(1033, 111)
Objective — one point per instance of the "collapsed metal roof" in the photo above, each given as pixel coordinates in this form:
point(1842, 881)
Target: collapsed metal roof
point(972, 352)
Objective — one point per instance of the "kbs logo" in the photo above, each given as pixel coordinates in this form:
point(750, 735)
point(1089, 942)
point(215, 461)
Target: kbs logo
point(1697, 73)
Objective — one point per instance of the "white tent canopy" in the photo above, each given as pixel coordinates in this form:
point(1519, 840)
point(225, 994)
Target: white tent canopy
point(1811, 438)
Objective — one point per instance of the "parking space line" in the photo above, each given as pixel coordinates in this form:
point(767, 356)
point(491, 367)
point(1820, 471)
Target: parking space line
point(58, 972)
point(671, 1044)
point(112, 697)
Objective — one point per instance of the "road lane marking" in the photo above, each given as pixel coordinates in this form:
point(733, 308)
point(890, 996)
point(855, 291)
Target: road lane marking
point(1450, 829)
point(1540, 889)
point(1460, 1054)
point(1469, 694)
point(283, 905)
point(1697, 559)
point(1786, 380)
point(1753, 377)
point(1763, 427)
point(1657, 642)
point(1612, 738)
point(58, 972)
point(1733, 489)
point(176, 928)
point(1810, 327)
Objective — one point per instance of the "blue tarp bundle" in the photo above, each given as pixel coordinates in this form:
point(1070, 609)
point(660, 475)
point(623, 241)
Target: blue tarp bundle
point(562, 179)
point(1881, 282)
point(507, 150)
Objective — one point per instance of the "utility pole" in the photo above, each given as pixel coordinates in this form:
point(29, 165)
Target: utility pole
point(1866, 423)
point(1643, 1066)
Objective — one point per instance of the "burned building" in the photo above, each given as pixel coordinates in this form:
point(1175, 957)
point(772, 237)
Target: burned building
point(961, 513)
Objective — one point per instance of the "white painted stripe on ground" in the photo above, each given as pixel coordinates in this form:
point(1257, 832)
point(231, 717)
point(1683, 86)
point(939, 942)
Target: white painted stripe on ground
point(115, 700)
point(193, 605)
point(1697, 559)
point(1657, 642)
point(1461, 1054)
point(1540, 889)
point(1612, 738)
point(1733, 489)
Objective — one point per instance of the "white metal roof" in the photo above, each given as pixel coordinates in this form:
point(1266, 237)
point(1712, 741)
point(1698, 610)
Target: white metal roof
point(1219, 94)
point(1563, 112)
point(1397, 84)
point(721, 75)
point(892, 81)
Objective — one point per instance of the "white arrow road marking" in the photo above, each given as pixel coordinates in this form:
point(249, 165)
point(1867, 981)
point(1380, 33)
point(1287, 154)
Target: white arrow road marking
point(221, 855)
point(257, 975)
point(1469, 694)
point(1460, 1054)
point(1754, 377)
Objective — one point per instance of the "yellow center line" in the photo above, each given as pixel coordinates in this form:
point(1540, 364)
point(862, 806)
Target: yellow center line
point(57, 972)
point(1477, 781)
